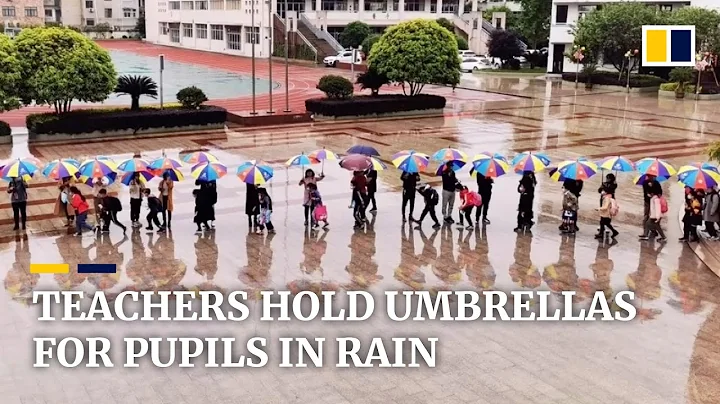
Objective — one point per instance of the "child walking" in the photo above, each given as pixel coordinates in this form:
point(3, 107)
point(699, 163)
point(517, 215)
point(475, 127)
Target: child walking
point(79, 203)
point(608, 210)
point(265, 219)
point(319, 211)
point(468, 201)
point(110, 206)
point(431, 198)
point(155, 207)
point(569, 213)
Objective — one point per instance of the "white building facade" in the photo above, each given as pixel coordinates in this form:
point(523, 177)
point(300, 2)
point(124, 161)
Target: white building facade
point(566, 13)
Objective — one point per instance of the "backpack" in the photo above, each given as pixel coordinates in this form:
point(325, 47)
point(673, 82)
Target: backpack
point(320, 213)
point(614, 207)
point(474, 199)
point(433, 197)
point(663, 205)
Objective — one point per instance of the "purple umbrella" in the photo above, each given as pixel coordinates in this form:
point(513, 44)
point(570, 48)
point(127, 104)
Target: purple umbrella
point(356, 162)
point(362, 149)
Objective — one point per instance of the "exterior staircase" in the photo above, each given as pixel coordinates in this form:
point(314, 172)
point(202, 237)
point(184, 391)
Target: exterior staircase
point(324, 49)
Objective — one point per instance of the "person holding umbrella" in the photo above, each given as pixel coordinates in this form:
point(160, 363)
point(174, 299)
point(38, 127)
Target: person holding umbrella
point(450, 185)
point(309, 178)
point(711, 213)
point(135, 191)
point(166, 193)
point(359, 198)
point(409, 182)
point(371, 176)
point(18, 199)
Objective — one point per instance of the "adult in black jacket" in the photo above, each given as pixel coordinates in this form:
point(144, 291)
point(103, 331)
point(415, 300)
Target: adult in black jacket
point(252, 207)
point(485, 185)
point(409, 182)
point(371, 176)
point(450, 185)
point(110, 208)
point(209, 197)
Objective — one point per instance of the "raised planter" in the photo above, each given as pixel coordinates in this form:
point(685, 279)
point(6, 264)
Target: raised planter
point(423, 113)
point(361, 67)
point(632, 89)
point(125, 133)
point(263, 119)
point(374, 106)
point(690, 96)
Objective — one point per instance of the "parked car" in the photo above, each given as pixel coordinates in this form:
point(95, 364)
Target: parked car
point(343, 57)
point(464, 54)
point(474, 64)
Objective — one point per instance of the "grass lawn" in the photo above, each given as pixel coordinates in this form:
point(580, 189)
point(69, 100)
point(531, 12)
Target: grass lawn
point(522, 71)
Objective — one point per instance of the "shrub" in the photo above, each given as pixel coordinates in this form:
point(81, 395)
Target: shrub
point(372, 80)
point(681, 75)
point(611, 79)
point(673, 87)
point(335, 86)
point(368, 105)
point(5, 129)
point(191, 97)
point(135, 86)
point(369, 42)
point(512, 64)
point(462, 43)
point(104, 120)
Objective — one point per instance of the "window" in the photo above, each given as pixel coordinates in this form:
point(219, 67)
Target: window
point(8, 11)
point(252, 34)
point(90, 22)
point(376, 6)
point(174, 5)
point(217, 5)
point(89, 4)
point(201, 31)
point(163, 28)
point(561, 13)
point(174, 32)
point(201, 5)
point(187, 5)
point(187, 30)
point(31, 12)
point(415, 5)
point(48, 13)
point(666, 7)
point(334, 5)
point(216, 32)
point(233, 38)
point(129, 13)
point(233, 4)
point(108, 13)
point(585, 10)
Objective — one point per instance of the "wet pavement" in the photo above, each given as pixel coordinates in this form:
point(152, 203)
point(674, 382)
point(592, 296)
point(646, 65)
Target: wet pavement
point(669, 354)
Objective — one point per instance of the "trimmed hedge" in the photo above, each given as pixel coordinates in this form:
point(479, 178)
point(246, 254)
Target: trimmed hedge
point(5, 129)
point(611, 79)
point(370, 105)
point(105, 120)
point(689, 88)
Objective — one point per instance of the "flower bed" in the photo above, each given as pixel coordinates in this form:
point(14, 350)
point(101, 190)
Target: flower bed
point(374, 105)
point(123, 121)
point(611, 79)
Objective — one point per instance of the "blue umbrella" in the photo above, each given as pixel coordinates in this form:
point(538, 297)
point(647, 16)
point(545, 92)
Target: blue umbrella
point(362, 149)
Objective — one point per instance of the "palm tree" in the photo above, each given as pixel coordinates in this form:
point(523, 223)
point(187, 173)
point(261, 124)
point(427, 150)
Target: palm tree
point(135, 86)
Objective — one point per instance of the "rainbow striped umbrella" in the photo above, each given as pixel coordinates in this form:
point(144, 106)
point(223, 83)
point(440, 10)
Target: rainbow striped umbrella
point(97, 168)
point(655, 166)
point(134, 165)
point(199, 157)
point(697, 166)
point(489, 165)
point(301, 160)
point(209, 171)
point(165, 163)
point(555, 175)
point(411, 162)
point(376, 164)
point(699, 178)
point(324, 154)
point(490, 155)
point(105, 180)
point(529, 161)
point(61, 168)
point(455, 164)
point(616, 163)
point(19, 168)
point(449, 154)
point(145, 176)
point(175, 175)
point(641, 179)
point(255, 172)
point(577, 169)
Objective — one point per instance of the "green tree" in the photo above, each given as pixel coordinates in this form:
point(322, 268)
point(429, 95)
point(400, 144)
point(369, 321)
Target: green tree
point(706, 24)
point(140, 25)
point(135, 86)
point(504, 45)
point(354, 34)
point(9, 75)
point(372, 80)
point(368, 43)
point(447, 24)
point(511, 19)
point(534, 21)
point(462, 43)
point(59, 65)
point(417, 52)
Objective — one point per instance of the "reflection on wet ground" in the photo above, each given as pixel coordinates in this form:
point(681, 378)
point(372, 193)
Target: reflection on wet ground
point(669, 354)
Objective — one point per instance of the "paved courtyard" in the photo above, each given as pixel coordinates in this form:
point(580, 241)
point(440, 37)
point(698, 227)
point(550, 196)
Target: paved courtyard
point(669, 354)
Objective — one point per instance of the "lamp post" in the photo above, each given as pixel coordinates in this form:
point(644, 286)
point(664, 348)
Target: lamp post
point(162, 67)
point(578, 56)
point(287, 63)
point(630, 55)
point(270, 55)
point(252, 59)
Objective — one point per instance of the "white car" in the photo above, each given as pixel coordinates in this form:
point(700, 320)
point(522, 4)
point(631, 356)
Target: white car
point(464, 54)
point(343, 57)
point(476, 63)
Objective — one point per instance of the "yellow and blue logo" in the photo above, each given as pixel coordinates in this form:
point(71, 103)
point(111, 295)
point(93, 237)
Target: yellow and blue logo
point(668, 45)
point(65, 268)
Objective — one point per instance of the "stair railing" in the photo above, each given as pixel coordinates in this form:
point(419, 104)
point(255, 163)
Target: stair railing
point(309, 44)
point(322, 34)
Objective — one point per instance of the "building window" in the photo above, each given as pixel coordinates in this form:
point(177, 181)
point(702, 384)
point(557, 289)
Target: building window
point(334, 5)
point(449, 7)
point(187, 30)
point(31, 12)
point(174, 5)
point(129, 13)
point(163, 28)
point(108, 13)
point(233, 5)
point(201, 31)
point(174, 32)
point(187, 5)
point(252, 34)
point(216, 32)
point(90, 22)
point(48, 13)
point(561, 12)
point(8, 11)
point(585, 10)
point(666, 7)
point(415, 5)
point(201, 5)
point(234, 38)
point(376, 6)
point(89, 4)
point(217, 5)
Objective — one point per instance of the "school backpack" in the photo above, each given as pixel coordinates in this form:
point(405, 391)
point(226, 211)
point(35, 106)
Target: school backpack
point(433, 197)
point(474, 199)
point(663, 205)
point(614, 207)
point(320, 213)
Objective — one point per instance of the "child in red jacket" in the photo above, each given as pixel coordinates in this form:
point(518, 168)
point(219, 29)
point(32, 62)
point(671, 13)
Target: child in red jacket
point(468, 201)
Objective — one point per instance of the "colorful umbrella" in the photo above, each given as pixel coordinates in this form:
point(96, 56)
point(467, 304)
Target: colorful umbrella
point(577, 169)
point(209, 171)
point(488, 155)
point(696, 166)
point(699, 178)
point(411, 162)
point(106, 179)
point(640, 180)
point(555, 175)
point(254, 172)
point(62, 168)
point(145, 176)
point(448, 154)
point(377, 165)
point(362, 149)
point(455, 164)
point(165, 163)
point(616, 163)
point(134, 165)
point(97, 168)
point(175, 175)
point(301, 160)
point(19, 168)
point(655, 166)
point(492, 167)
point(324, 154)
point(199, 157)
point(528, 161)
